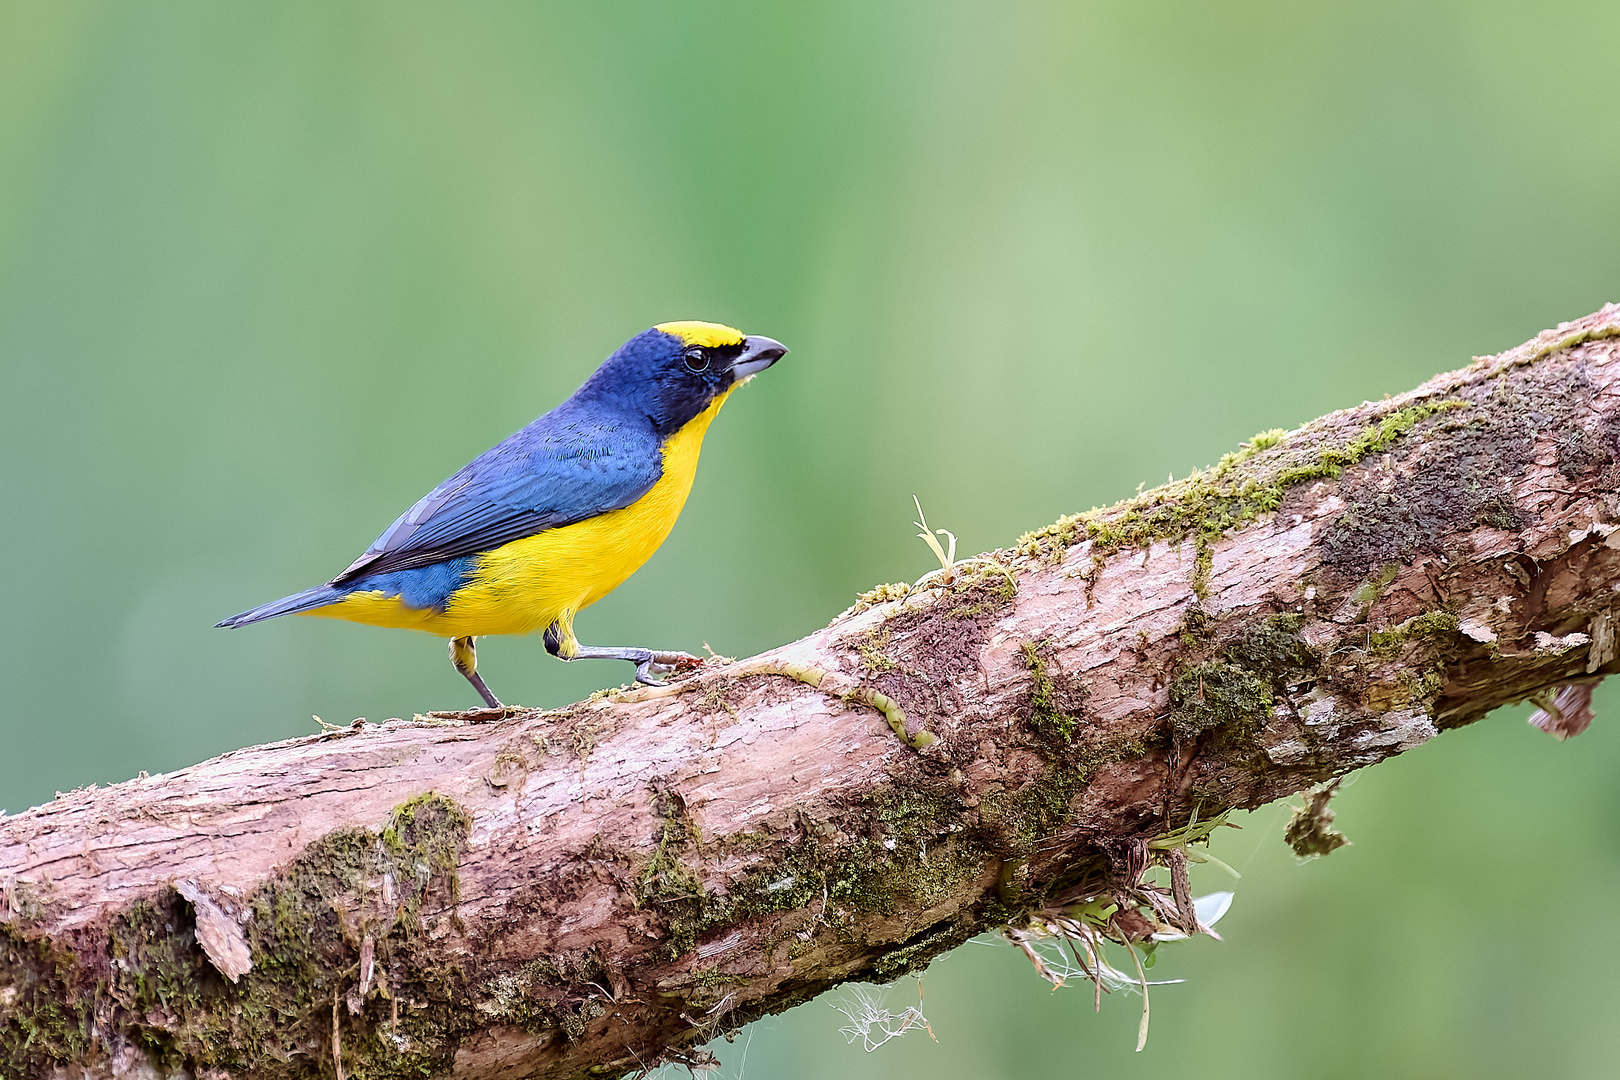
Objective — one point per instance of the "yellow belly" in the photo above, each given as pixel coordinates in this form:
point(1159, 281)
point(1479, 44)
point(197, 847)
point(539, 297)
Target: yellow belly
point(531, 583)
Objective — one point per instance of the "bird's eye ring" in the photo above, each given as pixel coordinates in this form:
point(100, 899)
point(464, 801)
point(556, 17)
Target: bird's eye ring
point(697, 360)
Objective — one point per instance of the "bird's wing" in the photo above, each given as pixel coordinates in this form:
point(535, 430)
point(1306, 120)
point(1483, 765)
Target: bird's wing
point(544, 477)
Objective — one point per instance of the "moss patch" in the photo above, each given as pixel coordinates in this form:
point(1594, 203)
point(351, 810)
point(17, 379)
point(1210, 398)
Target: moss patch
point(1218, 694)
point(917, 954)
point(306, 924)
point(870, 649)
point(1233, 686)
point(1401, 508)
point(1212, 502)
point(666, 878)
point(1056, 702)
point(880, 594)
point(980, 588)
point(37, 1032)
point(1310, 830)
point(1373, 588)
point(1388, 644)
point(904, 847)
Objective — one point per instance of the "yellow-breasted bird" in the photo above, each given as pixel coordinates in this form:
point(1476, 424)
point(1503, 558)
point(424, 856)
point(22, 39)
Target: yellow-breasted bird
point(557, 516)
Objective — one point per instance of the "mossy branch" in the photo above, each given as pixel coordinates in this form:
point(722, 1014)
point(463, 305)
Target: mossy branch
point(1007, 744)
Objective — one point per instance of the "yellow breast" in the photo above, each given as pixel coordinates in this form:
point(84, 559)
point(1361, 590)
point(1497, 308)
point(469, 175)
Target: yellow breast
point(528, 584)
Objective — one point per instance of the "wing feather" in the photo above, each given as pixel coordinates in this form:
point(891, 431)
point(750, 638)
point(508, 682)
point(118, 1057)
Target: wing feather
point(555, 472)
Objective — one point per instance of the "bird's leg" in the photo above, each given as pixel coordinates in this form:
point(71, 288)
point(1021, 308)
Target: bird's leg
point(465, 657)
point(561, 643)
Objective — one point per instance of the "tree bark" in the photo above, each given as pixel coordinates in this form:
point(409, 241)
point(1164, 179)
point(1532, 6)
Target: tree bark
point(588, 891)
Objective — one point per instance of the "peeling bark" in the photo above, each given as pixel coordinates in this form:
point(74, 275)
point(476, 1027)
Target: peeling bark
point(590, 890)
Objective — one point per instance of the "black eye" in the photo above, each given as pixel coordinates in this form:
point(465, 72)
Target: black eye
point(697, 360)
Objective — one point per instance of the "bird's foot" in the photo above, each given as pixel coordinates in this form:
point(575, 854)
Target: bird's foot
point(650, 665)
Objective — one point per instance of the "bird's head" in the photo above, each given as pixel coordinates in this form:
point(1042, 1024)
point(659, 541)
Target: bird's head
point(676, 370)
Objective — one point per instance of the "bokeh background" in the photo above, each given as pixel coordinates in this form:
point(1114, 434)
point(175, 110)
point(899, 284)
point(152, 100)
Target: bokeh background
point(270, 271)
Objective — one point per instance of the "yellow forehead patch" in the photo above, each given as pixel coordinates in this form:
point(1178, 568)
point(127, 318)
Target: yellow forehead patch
point(706, 334)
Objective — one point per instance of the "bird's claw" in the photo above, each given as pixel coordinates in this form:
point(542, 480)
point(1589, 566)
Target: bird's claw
point(663, 663)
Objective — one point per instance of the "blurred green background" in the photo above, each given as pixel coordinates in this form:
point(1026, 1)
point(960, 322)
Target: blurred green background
point(268, 272)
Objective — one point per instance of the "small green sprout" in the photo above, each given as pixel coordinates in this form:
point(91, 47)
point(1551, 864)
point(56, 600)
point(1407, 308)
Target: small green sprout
point(946, 554)
point(947, 557)
point(1194, 832)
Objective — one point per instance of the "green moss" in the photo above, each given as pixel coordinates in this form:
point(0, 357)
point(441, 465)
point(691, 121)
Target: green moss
point(710, 978)
point(1211, 503)
point(981, 586)
point(1234, 690)
point(45, 1020)
point(1218, 694)
point(747, 841)
point(1387, 644)
point(1498, 511)
point(509, 997)
point(903, 860)
point(1420, 686)
point(428, 830)
point(673, 889)
point(1267, 439)
point(790, 883)
point(881, 594)
point(1374, 587)
point(509, 764)
point(1054, 712)
point(917, 954)
point(1461, 483)
point(1009, 888)
point(1274, 647)
point(903, 872)
point(1203, 564)
point(584, 732)
point(574, 1021)
point(1310, 830)
point(910, 852)
point(306, 927)
point(969, 579)
point(1193, 630)
point(1014, 825)
point(1569, 340)
point(1382, 435)
point(666, 878)
point(559, 992)
point(870, 646)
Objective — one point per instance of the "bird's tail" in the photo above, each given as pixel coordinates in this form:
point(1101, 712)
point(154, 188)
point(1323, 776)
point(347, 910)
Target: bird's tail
point(308, 600)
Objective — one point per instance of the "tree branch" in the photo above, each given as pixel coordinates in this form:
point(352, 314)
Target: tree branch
point(591, 890)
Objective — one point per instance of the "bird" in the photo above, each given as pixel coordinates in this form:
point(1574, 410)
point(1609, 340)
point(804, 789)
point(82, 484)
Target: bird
point(555, 517)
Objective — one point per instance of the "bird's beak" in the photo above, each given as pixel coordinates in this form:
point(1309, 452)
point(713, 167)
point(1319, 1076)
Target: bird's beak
point(758, 354)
